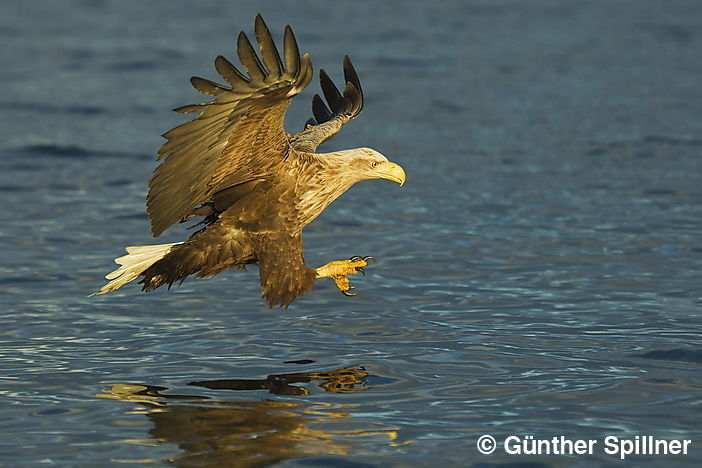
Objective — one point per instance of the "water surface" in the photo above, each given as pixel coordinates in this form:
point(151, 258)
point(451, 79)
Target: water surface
point(539, 274)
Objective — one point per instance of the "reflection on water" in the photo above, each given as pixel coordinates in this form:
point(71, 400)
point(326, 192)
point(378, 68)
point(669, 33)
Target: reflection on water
point(252, 433)
point(347, 379)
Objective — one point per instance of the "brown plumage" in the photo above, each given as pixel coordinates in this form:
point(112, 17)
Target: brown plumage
point(256, 185)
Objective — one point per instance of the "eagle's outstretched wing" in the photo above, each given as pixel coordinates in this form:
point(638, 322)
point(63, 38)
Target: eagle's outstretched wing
point(329, 118)
point(237, 137)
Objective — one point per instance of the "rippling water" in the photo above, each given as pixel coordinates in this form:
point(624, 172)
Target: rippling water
point(539, 274)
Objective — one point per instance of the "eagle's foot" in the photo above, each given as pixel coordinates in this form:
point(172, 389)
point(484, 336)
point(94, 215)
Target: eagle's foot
point(339, 270)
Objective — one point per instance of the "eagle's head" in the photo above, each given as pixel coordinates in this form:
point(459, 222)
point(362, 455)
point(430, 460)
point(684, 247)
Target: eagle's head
point(367, 163)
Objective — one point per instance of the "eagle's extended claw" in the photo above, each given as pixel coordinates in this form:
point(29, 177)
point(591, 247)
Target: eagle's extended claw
point(339, 270)
point(368, 258)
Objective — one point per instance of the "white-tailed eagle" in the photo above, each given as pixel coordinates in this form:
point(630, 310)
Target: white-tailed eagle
point(255, 185)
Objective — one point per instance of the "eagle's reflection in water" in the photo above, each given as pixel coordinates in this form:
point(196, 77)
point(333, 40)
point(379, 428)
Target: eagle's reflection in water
point(253, 433)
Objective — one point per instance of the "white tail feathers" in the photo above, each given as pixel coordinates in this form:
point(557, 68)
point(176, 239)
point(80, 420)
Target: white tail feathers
point(137, 260)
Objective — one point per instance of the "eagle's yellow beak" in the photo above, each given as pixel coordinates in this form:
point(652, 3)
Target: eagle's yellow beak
point(391, 171)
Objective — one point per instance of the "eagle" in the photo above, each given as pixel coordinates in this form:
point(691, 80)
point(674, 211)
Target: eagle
point(254, 185)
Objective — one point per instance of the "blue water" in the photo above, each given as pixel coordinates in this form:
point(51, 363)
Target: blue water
point(539, 274)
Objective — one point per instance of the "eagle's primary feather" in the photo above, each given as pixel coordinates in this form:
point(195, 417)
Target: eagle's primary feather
point(256, 185)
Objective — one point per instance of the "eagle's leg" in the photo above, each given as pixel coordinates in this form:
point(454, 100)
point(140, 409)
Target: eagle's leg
point(339, 269)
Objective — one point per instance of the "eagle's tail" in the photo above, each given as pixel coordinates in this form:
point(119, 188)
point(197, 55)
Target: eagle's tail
point(137, 260)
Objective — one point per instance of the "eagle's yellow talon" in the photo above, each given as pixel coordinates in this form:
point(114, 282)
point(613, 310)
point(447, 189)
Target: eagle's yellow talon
point(339, 270)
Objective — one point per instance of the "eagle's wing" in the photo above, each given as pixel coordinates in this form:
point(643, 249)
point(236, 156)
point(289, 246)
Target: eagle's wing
point(237, 137)
point(329, 118)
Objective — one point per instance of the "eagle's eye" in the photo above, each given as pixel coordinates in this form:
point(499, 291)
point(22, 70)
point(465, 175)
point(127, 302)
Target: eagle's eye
point(375, 163)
